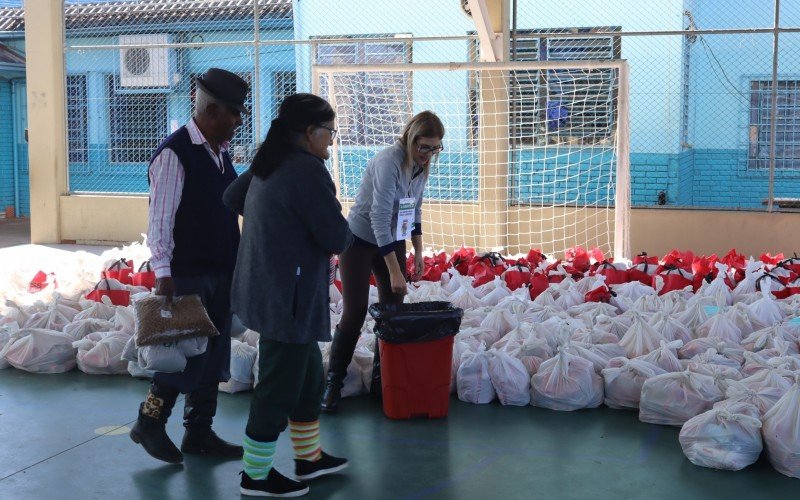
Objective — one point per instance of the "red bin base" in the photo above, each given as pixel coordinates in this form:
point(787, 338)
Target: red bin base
point(415, 378)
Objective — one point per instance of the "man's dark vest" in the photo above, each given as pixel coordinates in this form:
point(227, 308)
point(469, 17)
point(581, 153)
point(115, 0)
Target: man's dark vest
point(206, 232)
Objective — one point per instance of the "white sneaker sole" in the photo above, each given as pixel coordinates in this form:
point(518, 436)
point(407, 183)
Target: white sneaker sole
point(323, 472)
point(260, 493)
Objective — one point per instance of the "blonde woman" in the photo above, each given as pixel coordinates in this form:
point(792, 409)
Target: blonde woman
point(387, 212)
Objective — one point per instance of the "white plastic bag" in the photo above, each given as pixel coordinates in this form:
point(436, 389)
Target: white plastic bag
point(9, 332)
point(623, 384)
point(96, 310)
point(243, 357)
point(718, 289)
point(641, 338)
point(42, 351)
point(670, 328)
point(766, 309)
point(251, 338)
point(763, 398)
point(782, 433)
point(721, 326)
point(99, 353)
point(162, 358)
point(721, 440)
point(473, 382)
point(83, 327)
point(54, 318)
point(566, 383)
point(501, 321)
point(510, 379)
point(364, 357)
point(674, 398)
point(665, 357)
point(498, 292)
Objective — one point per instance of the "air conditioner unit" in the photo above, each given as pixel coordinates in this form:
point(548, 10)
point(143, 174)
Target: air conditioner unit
point(145, 67)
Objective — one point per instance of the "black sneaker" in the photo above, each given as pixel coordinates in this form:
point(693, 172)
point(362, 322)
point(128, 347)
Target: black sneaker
point(275, 485)
point(305, 469)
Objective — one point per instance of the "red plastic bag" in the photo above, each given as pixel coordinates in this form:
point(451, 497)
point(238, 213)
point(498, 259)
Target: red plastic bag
point(766, 258)
point(433, 273)
point(39, 282)
point(534, 258)
point(482, 273)
point(145, 276)
point(682, 260)
point(117, 297)
point(737, 262)
point(538, 284)
point(644, 266)
point(461, 260)
point(674, 279)
point(578, 259)
point(121, 271)
point(410, 265)
point(599, 294)
point(516, 277)
point(486, 267)
point(613, 275)
point(554, 274)
point(792, 264)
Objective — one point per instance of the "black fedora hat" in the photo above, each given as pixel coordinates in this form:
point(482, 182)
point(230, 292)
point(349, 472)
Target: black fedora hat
point(225, 86)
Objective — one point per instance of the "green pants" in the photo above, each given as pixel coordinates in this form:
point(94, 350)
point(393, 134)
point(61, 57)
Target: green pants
point(290, 386)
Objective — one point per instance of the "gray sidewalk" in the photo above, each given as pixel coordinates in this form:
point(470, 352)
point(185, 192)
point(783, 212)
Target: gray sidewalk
point(15, 232)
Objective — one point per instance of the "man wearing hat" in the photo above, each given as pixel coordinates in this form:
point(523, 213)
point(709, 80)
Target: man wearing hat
point(194, 239)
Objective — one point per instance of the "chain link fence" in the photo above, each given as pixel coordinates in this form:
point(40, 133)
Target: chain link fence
point(711, 125)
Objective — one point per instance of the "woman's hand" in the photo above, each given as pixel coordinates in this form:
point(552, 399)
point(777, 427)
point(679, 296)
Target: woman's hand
point(419, 266)
point(398, 283)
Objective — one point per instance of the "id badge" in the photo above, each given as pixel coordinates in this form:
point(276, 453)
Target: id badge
point(405, 218)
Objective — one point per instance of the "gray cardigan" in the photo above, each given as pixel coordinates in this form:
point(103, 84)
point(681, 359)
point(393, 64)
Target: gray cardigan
point(292, 224)
point(373, 216)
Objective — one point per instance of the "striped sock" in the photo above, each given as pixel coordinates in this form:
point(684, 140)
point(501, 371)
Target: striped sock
point(305, 440)
point(257, 457)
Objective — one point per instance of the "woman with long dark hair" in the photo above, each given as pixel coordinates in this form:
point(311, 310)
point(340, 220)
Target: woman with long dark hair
point(292, 225)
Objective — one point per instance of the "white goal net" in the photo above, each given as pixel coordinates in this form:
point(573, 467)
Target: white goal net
point(536, 155)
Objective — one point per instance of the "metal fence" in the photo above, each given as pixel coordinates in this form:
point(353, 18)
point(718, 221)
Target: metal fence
point(715, 84)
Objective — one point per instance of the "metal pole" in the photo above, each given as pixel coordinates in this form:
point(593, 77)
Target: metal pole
point(14, 139)
point(514, 33)
point(256, 90)
point(622, 204)
point(460, 66)
point(773, 126)
point(335, 147)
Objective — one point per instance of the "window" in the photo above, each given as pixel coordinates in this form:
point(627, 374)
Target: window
point(787, 125)
point(242, 146)
point(77, 119)
point(138, 123)
point(557, 106)
point(284, 84)
point(371, 107)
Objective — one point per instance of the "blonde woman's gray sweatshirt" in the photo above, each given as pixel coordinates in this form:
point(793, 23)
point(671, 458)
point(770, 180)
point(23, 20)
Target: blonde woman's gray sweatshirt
point(373, 217)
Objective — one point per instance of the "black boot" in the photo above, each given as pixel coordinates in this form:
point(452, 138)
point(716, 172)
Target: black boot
point(342, 349)
point(150, 427)
point(199, 439)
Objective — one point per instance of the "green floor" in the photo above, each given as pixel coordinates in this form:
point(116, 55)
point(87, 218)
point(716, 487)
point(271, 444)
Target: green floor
point(50, 448)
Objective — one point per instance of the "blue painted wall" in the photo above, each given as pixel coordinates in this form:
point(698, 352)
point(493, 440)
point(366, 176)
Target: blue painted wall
point(710, 171)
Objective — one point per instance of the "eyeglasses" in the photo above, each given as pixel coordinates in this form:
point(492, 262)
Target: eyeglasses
point(424, 149)
point(333, 131)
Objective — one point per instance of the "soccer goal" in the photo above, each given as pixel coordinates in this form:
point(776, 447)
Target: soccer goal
point(536, 154)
